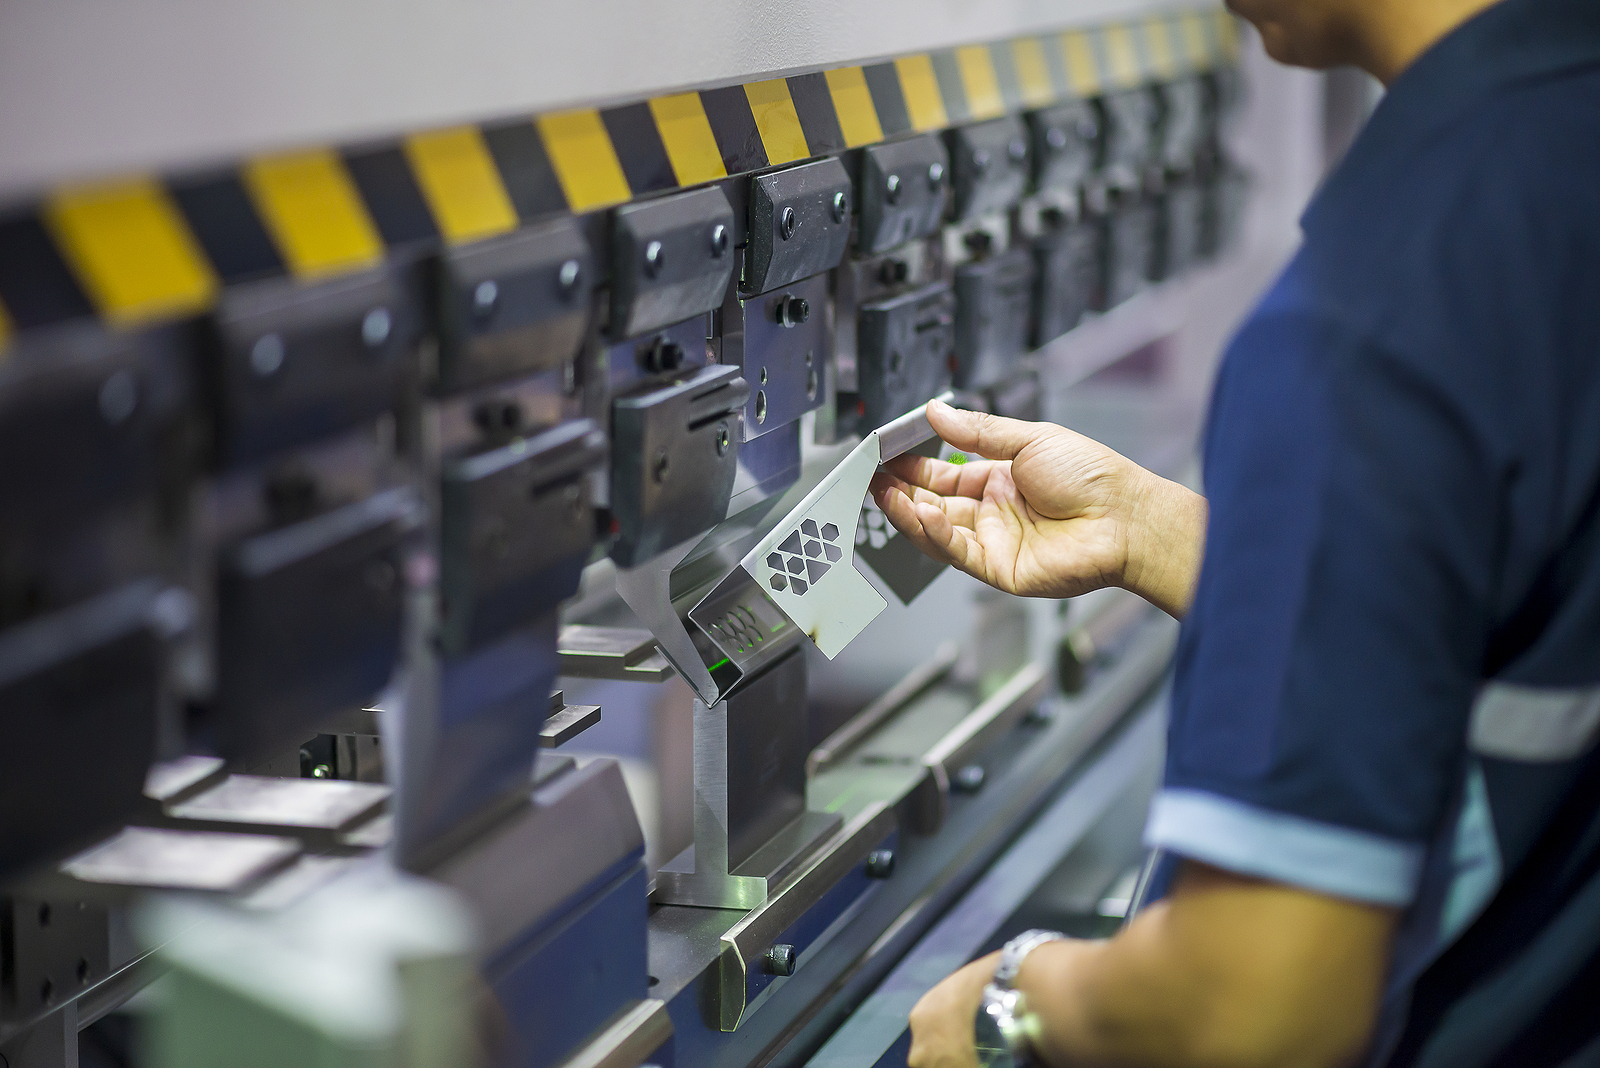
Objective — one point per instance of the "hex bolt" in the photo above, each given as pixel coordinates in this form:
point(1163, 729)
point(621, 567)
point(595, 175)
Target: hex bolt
point(375, 327)
point(567, 277)
point(969, 780)
point(1056, 138)
point(266, 355)
point(485, 297)
point(1017, 150)
point(719, 240)
point(119, 396)
point(792, 311)
point(935, 175)
point(723, 440)
point(788, 222)
point(880, 863)
point(891, 189)
point(654, 257)
point(780, 959)
point(841, 206)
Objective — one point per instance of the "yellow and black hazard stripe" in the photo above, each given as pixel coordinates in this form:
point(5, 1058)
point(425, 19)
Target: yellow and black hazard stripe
point(142, 250)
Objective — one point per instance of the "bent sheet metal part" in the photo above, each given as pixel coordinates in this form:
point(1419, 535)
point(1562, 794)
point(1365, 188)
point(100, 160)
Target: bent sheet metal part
point(806, 565)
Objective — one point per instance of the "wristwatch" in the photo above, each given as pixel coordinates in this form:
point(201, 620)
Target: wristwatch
point(1004, 1025)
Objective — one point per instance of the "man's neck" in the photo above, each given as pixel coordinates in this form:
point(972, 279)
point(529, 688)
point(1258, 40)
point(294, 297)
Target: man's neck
point(1393, 33)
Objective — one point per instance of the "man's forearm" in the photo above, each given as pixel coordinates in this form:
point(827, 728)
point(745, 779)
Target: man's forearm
point(1166, 541)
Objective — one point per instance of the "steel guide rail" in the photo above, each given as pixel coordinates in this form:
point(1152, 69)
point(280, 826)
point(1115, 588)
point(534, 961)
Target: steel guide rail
point(135, 251)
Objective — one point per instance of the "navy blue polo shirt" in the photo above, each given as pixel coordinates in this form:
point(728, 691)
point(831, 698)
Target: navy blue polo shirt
point(1388, 687)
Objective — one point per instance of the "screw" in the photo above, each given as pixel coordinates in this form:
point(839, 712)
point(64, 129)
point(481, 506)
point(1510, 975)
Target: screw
point(118, 397)
point(567, 277)
point(484, 298)
point(980, 160)
point(1056, 138)
point(891, 189)
point(723, 441)
point(780, 959)
point(787, 224)
point(935, 175)
point(375, 327)
point(322, 771)
point(969, 780)
point(880, 863)
point(654, 256)
point(1017, 150)
point(792, 311)
point(841, 207)
point(719, 240)
point(266, 355)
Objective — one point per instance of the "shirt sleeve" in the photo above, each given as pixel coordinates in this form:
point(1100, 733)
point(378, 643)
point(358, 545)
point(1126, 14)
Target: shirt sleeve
point(1327, 666)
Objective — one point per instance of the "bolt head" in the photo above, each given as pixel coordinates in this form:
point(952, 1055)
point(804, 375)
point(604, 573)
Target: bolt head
point(1017, 150)
point(980, 160)
point(724, 440)
point(788, 223)
point(969, 780)
point(654, 257)
point(1056, 138)
point(484, 298)
point(375, 327)
point(266, 355)
point(841, 206)
point(935, 175)
point(780, 959)
point(119, 396)
point(891, 188)
point(880, 864)
point(322, 771)
point(719, 241)
point(567, 277)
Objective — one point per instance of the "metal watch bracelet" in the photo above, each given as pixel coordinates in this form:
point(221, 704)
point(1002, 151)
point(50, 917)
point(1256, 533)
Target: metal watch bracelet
point(1006, 1006)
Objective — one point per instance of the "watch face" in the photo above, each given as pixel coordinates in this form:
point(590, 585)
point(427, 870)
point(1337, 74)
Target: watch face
point(992, 1050)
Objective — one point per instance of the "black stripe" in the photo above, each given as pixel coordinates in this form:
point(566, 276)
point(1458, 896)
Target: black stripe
point(393, 197)
point(734, 127)
point(35, 283)
point(639, 148)
point(524, 168)
point(947, 73)
point(884, 85)
point(225, 223)
point(814, 104)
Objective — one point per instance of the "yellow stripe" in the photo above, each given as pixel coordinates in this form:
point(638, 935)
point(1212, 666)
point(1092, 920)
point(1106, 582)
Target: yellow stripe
point(1122, 56)
point(1083, 73)
point(977, 77)
point(585, 163)
point(920, 87)
point(131, 250)
point(777, 121)
point(313, 212)
point(1227, 33)
point(686, 134)
point(6, 331)
point(1032, 72)
point(852, 100)
point(1158, 46)
point(462, 186)
point(1194, 39)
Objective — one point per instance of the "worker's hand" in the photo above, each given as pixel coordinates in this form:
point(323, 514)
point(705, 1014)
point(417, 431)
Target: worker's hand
point(1047, 513)
point(943, 1022)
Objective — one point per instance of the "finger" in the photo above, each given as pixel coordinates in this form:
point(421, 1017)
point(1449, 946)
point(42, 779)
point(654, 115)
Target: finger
point(903, 513)
point(958, 546)
point(990, 436)
point(943, 478)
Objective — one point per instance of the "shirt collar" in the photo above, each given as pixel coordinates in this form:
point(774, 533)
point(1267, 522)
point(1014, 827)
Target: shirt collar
point(1511, 42)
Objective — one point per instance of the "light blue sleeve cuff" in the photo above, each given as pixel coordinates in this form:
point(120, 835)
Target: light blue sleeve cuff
point(1323, 857)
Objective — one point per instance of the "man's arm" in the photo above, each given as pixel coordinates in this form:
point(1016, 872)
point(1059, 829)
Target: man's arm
point(1226, 971)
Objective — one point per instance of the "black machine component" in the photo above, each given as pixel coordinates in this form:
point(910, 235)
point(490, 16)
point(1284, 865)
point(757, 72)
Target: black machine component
point(1068, 257)
point(1133, 133)
point(1068, 143)
point(991, 162)
point(517, 527)
point(994, 297)
point(671, 258)
point(799, 224)
point(1189, 126)
point(674, 454)
point(1182, 227)
point(1132, 234)
point(901, 192)
point(78, 689)
point(308, 621)
point(903, 351)
point(780, 341)
point(514, 305)
point(293, 364)
point(50, 952)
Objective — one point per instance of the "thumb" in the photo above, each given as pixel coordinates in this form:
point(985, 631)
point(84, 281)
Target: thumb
point(990, 436)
